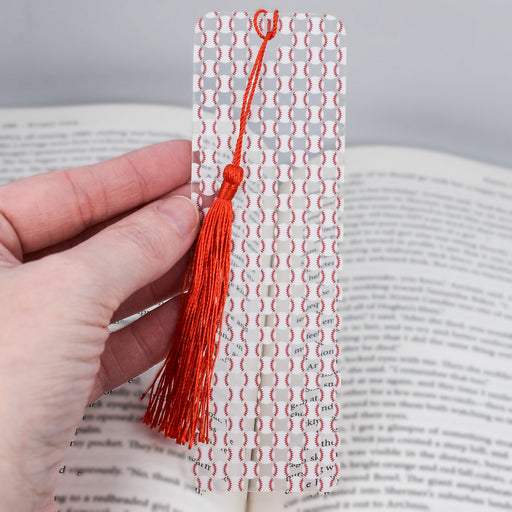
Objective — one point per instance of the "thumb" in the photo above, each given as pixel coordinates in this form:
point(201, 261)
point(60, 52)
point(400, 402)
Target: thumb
point(136, 250)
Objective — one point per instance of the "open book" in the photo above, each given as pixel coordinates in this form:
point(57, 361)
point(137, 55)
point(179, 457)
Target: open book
point(427, 349)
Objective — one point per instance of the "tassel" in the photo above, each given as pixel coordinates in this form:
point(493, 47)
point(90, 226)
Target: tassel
point(180, 394)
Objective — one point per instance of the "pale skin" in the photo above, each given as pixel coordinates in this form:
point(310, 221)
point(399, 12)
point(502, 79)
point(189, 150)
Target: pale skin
point(79, 249)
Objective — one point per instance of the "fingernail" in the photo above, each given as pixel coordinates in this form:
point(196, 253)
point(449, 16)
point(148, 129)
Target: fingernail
point(180, 212)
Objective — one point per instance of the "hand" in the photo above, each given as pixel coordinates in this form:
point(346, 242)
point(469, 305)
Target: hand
point(79, 249)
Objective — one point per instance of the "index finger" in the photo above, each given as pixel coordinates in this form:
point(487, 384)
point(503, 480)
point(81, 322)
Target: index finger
point(49, 208)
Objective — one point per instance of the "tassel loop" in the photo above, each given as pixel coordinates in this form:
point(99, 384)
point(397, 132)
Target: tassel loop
point(271, 25)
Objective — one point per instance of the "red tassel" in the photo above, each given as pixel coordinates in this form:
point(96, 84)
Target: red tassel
point(180, 394)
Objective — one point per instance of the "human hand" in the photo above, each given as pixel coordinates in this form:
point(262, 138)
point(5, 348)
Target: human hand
point(79, 249)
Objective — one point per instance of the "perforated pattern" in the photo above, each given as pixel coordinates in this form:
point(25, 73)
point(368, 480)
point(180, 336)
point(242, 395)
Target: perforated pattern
point(274, 397)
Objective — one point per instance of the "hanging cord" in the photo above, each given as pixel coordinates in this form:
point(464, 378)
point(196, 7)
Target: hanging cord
point(252, 82)
point(179, 397)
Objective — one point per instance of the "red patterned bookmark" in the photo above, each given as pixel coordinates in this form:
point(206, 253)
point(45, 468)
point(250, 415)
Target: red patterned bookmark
point(271, 417)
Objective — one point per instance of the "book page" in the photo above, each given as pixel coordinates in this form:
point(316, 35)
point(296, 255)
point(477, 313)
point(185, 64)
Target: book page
point(427, 349)
point(34, 140)
point(114, 463)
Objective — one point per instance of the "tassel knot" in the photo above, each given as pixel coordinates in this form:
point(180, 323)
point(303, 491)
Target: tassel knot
point(233, 176)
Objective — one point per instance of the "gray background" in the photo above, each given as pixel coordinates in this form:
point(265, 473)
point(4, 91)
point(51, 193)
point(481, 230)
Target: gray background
point(435, 74)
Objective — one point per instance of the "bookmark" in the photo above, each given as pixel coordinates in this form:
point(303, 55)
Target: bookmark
point(269, 128)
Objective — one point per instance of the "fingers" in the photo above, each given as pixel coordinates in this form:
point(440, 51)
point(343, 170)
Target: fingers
point(135, 251)
point(136, 348)
point(11, 252)
point(46, 209)
point(169, 285)
point(183, 190)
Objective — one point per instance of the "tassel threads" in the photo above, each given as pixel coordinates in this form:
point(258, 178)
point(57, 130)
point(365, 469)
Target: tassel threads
point(179, 397)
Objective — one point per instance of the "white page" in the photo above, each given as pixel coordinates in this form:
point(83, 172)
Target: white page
point(118, 463)
point(34, 140)
point(426, 394)
point(115, 463)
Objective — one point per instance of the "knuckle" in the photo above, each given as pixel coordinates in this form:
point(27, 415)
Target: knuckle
point(73, 284)
point(146, 240)
point(72, 272)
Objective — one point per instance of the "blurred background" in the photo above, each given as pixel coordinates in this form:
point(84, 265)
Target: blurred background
point(434, 74)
